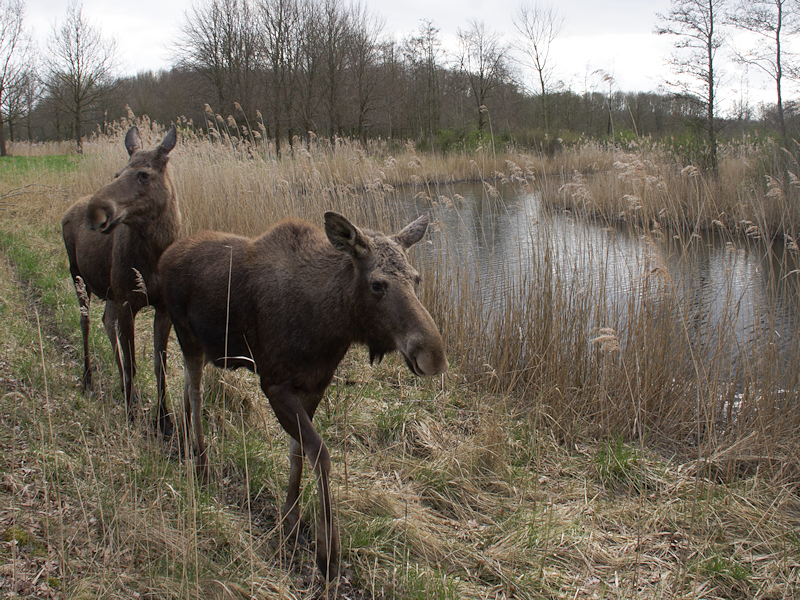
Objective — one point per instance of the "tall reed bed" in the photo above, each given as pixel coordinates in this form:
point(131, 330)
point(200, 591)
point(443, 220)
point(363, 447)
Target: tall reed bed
point(645, 363)
point(755, 192)
point(649, 363)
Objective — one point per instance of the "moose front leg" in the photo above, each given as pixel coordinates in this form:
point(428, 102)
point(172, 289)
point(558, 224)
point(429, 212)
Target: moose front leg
point(327, 532)
point(297, 423)
point(112, 331)
point(291, 509)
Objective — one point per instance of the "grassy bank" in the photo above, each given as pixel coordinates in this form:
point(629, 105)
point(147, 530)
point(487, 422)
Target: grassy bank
point(578, 447)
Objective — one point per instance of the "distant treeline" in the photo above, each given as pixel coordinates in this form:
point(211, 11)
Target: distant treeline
point(325, 68)
point(399, 111)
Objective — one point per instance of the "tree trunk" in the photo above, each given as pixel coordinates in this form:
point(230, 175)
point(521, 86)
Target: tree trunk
point(779, 71)
point(712, 133)
point(544, 104)
point(3, 151)
point(277, 136)
point(78, 136)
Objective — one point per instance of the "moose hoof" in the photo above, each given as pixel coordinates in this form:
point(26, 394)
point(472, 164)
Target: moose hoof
point(294, 534)
point(163, 426)
point(87, 382)
point(328, 566)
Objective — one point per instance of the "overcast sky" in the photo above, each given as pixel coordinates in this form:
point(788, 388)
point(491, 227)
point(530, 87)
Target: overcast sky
point(614, 36)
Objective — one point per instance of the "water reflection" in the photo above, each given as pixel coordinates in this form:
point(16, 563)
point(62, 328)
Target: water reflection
point(750, 283)
point(746, 289)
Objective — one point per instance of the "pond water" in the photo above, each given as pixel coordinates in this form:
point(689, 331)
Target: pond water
point(500, 234)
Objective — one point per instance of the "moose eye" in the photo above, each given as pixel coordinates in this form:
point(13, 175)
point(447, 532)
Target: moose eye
point(377, 288)
point(143, 177)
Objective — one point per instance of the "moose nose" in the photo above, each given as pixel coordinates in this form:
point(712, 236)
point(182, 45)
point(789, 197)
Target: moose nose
point(97, 221)
point(425, 355)
point(102, 219)
point(432, 363)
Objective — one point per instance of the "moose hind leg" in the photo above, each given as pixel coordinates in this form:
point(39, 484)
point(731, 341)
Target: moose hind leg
point(192, 411)
point(84, 302)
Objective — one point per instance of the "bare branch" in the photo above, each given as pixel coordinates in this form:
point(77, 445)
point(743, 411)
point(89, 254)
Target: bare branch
point(773, 21)
point(80, 66)
point(483, 58)
point(538, 27)
point(15, 53)
point(696, 26)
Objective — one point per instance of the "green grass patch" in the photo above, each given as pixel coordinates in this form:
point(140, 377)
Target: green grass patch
point(725, 569)
point(433, 585)
point(24, 539)
point(31, 166)
point(618, 465)
point(251, 461)
point(378, 534)
point(39, 261)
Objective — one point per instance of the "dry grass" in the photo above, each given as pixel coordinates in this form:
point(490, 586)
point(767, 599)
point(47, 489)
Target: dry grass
point(41, 149)
point(581, 447)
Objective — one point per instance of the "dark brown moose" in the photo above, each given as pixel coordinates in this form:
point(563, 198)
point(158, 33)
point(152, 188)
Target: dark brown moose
point(114, 240)
point(291, 302)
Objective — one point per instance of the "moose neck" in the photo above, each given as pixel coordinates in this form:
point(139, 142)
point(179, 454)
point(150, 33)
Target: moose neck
point(338, 280)
point(157, 232)
point(352, 307)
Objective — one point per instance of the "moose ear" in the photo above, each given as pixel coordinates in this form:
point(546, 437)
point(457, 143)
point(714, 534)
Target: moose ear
point(168, 143)
point(132, 141)
point(413, 232)
point(345, 236)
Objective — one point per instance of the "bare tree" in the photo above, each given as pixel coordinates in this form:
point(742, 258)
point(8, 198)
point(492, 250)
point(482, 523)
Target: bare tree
point(280, 23)
point(309, 67)
point(364, 55)
point(21, 100)
point(392, 87)
point(696, 25)
point(483, 58)
point(15, 52)
point(538, 27)
point(424, 55)
point(773, 22)
point(220, 41)
point(335, 27)
point(201, 47)
point(244, 54)
point(80, 67)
